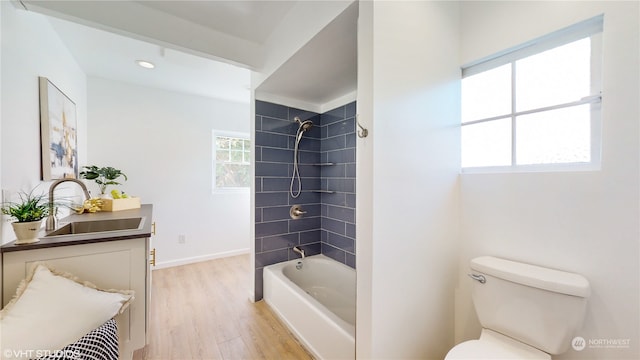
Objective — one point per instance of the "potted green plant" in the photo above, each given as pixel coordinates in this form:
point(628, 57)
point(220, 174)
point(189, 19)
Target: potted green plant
point(28, 213)
point(103, 176)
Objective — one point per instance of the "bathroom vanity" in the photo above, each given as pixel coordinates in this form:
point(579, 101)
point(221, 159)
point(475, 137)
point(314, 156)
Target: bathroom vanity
point(109, 249)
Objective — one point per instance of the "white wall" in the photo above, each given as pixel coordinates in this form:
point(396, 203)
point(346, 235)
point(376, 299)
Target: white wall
point(162, 141)
point(1, 197)
point(407, 222)
point(585, 222)
point(364, 185)
point(31, 48)
point(297, 28)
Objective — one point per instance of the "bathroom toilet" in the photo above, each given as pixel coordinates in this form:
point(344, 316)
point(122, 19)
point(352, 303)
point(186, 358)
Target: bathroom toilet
point(526, 311)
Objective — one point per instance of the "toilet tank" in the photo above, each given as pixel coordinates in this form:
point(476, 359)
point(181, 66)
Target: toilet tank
point(538, 306)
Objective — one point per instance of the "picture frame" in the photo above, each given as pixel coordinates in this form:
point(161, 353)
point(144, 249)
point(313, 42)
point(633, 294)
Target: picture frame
point(58, 131)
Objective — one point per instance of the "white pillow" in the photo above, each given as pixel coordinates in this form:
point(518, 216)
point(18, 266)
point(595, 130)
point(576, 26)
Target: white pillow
point(51, 310)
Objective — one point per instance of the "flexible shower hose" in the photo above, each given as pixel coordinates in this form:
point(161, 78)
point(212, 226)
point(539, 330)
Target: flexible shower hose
point(296, 173)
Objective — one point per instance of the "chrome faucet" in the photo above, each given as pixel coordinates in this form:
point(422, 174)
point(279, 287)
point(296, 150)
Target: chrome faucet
point(299, 251)
point(52, 221)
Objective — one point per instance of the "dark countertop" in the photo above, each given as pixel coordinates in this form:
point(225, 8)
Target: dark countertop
point(145, 212)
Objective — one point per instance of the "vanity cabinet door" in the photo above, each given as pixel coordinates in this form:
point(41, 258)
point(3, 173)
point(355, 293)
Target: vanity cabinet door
point(119, 264)
point(151, 263)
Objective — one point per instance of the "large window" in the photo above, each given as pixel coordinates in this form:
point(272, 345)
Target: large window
point(232, 166)
point(536, 107)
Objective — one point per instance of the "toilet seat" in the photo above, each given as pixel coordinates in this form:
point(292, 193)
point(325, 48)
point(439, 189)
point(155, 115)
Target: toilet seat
point(494, 346)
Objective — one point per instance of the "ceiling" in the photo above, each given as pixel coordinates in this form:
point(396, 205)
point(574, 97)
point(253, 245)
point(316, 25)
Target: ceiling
point(207, 48)
point(322, 71)
point(250, 20)
point(174, 70)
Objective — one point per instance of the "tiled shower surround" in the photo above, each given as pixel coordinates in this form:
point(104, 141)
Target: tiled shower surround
point(328, 171)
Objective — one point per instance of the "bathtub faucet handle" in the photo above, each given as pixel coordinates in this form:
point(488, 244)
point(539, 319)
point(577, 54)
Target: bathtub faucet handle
point(296, 212)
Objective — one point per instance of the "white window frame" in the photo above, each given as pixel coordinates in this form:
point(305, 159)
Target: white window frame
point(589, 28)
point(229, 134)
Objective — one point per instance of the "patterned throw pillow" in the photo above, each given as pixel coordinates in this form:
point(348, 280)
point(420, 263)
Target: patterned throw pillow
point(99, 344)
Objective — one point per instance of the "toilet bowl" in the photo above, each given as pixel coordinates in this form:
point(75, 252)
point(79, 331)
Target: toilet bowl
point(526, 311)
point(495, 346)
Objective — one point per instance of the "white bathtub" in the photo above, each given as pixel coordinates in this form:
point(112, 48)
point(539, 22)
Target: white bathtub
point(317, 302)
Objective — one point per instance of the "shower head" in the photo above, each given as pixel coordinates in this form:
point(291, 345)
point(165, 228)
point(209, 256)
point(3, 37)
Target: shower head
point(306, 125)
point(302, 128)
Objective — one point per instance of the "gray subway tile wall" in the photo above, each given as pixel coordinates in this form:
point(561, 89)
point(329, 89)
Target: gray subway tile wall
point(328, 227)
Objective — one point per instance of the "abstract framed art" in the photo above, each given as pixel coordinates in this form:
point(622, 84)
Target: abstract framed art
point(58, 130)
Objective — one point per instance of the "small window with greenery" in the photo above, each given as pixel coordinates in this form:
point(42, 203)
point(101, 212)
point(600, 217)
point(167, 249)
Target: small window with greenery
point(232, 166)
point(536, 107)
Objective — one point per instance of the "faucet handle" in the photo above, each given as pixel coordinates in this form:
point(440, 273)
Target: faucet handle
point(296, 212)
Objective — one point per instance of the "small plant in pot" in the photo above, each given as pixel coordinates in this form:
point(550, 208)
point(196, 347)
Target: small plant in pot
point(29, 213)
point(103, 176)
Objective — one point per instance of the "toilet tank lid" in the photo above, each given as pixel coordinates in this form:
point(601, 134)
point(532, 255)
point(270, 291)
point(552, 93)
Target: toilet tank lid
point(532, 275)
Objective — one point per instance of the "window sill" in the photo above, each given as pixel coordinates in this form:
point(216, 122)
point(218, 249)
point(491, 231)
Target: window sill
point(219, 191)
point(568, 167)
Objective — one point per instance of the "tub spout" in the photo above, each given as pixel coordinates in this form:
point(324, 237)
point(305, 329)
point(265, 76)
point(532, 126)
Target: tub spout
point(299, 251)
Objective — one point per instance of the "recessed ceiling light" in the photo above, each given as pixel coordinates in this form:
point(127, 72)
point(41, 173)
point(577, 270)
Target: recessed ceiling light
point(145, 64)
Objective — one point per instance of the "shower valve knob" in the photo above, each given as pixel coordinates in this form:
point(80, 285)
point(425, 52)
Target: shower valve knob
point(296, 212)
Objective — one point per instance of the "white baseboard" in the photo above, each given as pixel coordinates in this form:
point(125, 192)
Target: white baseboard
point(195, 259)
